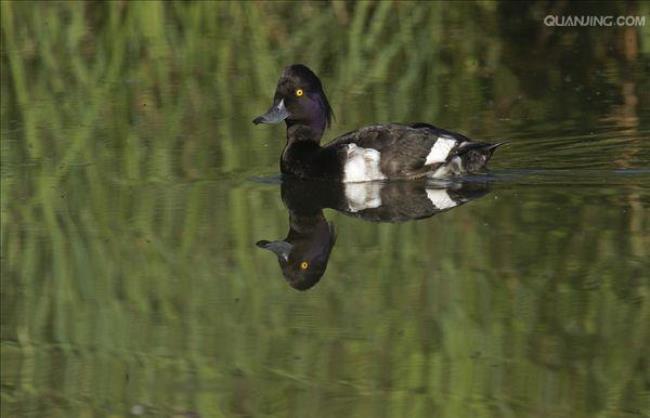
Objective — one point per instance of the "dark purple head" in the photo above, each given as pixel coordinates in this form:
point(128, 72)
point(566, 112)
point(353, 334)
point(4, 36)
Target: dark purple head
point(299, 100)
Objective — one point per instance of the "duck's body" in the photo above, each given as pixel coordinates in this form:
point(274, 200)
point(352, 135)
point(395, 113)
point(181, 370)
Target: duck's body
point(394, 151)
point(378, 152)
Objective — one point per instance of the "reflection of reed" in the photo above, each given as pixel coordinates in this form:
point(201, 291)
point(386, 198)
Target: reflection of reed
point(114, 265)
point(625, 115)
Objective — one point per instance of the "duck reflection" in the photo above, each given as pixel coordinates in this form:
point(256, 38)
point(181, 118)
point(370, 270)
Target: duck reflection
point(303, 255)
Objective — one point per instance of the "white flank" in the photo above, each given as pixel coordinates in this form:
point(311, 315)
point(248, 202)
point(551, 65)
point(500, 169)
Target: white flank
point(440, 173)
point(440, 150)
point(362, 196)
point(440, 199)
point(362, 164)
point(453, 167)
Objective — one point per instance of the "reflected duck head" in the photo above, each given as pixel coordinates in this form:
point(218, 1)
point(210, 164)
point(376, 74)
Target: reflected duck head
point(303, 255)
point(299, 100)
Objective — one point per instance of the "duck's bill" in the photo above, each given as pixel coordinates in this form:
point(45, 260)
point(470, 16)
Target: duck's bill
point(281, 248)
point(276, 114)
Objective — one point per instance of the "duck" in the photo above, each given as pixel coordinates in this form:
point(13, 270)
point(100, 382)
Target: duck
point(373, 153)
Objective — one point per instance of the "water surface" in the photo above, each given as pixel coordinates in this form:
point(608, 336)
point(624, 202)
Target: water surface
point(135, 189)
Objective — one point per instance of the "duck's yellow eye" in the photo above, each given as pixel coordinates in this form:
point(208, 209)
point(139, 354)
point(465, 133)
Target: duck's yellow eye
point(304, 265)
point(299, 93)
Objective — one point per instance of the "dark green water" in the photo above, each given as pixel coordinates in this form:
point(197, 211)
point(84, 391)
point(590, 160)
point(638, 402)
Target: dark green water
point(135, 188)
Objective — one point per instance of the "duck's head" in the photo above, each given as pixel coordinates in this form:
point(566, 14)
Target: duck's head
point(299, 100)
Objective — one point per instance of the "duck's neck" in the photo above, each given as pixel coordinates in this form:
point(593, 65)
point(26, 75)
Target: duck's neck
point(301, 132)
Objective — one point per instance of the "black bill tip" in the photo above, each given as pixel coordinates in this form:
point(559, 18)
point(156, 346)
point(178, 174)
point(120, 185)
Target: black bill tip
point(276, 114)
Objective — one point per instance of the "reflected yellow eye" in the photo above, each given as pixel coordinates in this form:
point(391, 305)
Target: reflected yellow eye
point(299, 93)
point(304, 264)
